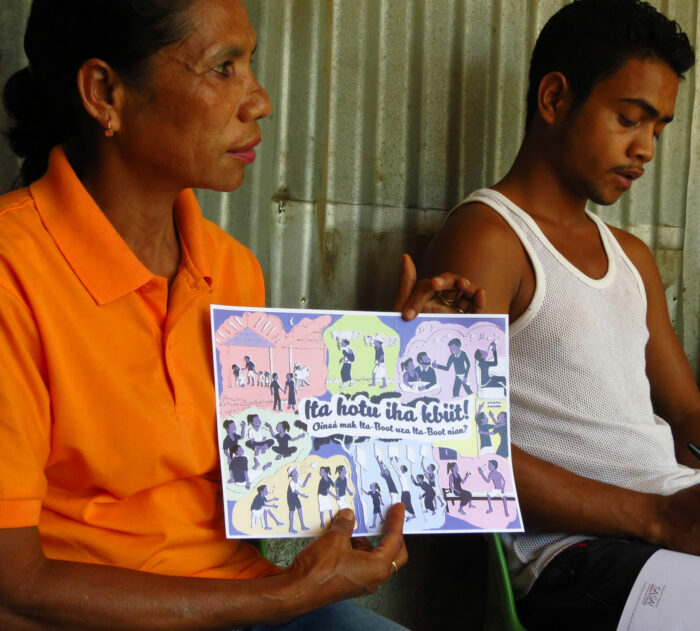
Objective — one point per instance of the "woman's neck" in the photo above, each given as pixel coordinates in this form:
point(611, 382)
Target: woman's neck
point(141, 213)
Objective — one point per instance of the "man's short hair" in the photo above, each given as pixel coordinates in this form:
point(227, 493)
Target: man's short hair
point(589, 40)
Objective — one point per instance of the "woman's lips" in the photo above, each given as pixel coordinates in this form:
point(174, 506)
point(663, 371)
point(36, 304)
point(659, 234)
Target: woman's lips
point(244, 155)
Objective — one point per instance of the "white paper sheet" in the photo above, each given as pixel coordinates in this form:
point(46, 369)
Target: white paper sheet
point(665, 596)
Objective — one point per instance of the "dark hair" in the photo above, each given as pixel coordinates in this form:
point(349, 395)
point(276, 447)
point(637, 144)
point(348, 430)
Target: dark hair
point(589, 40)
point(42, 99)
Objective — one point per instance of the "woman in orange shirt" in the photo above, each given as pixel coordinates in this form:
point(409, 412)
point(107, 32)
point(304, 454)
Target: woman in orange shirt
point(110, 512)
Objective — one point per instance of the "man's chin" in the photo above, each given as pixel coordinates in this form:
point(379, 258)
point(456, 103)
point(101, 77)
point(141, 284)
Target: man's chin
point(605, 199)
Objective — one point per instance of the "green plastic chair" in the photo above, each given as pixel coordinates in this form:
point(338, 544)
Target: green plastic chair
point(260, 544)
point(500, 614)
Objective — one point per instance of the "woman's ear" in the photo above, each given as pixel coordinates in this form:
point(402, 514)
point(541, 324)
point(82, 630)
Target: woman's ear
point(101, 91)
point(554, 97)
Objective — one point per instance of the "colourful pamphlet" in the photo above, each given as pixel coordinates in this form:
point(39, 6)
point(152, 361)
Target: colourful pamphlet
point(323, 410)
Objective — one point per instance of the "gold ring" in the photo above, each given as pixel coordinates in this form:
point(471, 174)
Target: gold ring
point(396, 567)
point(448, 301)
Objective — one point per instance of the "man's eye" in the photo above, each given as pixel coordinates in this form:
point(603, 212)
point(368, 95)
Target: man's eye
point(225, 69)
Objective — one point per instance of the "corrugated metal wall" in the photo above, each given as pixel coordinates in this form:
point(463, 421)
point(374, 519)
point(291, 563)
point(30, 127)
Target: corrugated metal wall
point(386, 113)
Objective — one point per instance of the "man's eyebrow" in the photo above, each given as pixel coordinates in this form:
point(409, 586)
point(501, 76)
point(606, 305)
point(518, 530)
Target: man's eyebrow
point(649, 109)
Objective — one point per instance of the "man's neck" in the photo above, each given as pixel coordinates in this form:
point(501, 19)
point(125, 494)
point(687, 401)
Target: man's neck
point(538, 187)
point(535, 185)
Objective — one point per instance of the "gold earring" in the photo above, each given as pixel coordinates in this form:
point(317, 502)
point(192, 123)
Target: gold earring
point(109, 132)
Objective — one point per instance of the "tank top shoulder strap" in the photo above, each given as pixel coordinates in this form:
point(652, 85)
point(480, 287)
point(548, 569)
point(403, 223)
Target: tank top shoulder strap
point(526, 230)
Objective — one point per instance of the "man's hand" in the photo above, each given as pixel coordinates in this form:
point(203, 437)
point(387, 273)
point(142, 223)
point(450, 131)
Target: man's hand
point(678, 526)
point(421, 296)
point(335, 567)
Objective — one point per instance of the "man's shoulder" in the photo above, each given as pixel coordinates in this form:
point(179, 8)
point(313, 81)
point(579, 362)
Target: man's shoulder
point(636, 250)
point(475, 235)
point(478, 220)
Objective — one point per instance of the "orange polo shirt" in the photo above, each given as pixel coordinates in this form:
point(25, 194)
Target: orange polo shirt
point(107, 405)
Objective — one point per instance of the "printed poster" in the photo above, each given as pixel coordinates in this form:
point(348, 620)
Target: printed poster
point(322, 410)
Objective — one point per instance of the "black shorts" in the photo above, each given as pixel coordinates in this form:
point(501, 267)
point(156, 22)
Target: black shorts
point(585, 586)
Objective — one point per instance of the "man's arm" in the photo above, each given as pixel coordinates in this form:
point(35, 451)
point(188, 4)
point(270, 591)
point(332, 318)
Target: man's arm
point(476, 243)
point(37, 593)
point(674, 392)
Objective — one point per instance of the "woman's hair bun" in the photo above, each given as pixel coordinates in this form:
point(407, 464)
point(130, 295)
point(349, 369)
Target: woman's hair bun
point(31, 135)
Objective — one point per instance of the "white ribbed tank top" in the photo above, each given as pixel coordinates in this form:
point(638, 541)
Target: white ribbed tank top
point(579, 395)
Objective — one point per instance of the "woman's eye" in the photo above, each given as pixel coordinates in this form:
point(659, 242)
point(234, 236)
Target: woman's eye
point(225, 69)
point(625, 122)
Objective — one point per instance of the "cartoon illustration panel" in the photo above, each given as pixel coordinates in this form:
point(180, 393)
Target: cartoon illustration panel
point(319, 411)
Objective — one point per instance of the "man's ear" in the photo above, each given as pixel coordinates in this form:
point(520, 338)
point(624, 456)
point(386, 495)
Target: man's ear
point(101, 91)
point(554, 97)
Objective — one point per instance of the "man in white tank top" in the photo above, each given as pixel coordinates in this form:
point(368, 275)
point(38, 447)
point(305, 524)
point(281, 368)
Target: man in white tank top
point(603, 398)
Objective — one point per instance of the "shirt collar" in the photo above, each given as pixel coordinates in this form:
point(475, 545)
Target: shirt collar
point(95, 251)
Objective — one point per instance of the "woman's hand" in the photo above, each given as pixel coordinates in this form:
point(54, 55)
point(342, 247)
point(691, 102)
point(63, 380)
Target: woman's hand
point(445, 293)
point(335, 566)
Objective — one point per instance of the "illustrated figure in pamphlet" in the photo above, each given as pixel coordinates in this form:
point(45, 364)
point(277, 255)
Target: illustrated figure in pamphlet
point(428, 495)
point(404, 482)
point(325, 493)
point(293, 495)
point(487, 380)
point(301, 375)
point(500, 427)
point(260, 509)
point(430, 473)
point(385, 472)
point(258, 436)
point(410, 376)
point(249, 367)
point(341, 487)
point(275, 388)
point(459, 360)
point(456, 481)
point(425, 371)
point(238, 467)
point(496, 478)
point(377, 503)
point(283, 448)
point(347, 359)
point(232, 437)
point(238, 379)
point(485, 431)
point(290, 389)
point(379, 370)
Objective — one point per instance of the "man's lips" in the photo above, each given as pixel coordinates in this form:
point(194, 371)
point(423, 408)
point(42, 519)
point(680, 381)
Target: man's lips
point(625, 176)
